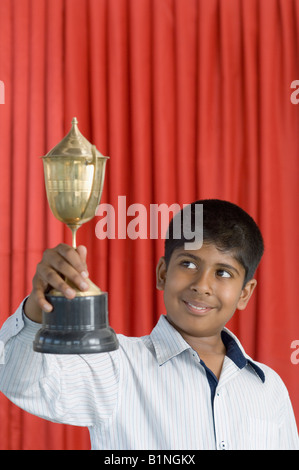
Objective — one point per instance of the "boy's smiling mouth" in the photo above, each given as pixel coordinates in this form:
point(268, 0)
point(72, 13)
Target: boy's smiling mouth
point(199, 308)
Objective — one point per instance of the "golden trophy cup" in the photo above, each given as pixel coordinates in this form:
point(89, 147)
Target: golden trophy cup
point(74, 173)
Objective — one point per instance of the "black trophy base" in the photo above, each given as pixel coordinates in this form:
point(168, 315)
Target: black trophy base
point(77, 326)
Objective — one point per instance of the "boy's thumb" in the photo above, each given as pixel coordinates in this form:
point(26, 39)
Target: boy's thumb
point(82, 250)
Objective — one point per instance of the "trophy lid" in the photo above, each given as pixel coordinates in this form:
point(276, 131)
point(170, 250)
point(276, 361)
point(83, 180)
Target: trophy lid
point(74, 145)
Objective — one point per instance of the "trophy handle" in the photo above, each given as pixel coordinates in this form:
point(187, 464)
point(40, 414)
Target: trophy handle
point(94, 162)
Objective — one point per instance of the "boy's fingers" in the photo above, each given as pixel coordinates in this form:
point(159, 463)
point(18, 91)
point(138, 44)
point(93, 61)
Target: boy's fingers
point(57, 263)
point(42, 302)
point(63, 261)
point(76, 258)
point(38, 292)
point(82, 251)
point(49, 275)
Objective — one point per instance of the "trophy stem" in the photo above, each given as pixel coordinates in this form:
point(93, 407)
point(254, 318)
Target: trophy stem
point(74, 229)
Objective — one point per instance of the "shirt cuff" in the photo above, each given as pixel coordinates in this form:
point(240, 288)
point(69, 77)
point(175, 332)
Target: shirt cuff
point(17, 324)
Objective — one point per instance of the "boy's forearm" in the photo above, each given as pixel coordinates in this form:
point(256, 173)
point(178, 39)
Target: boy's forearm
point(42, 384)
point(21, 369)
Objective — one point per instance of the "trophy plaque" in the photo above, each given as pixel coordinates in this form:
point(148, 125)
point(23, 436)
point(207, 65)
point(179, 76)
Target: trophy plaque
point(74, 172)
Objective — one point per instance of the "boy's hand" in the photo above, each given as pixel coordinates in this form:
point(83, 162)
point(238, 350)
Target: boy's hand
point(56, 263)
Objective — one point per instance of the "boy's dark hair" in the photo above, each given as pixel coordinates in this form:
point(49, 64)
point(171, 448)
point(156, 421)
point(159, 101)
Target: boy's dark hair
point(229, 228)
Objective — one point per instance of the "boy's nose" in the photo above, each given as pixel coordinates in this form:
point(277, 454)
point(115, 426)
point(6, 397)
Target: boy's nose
point(202, 284)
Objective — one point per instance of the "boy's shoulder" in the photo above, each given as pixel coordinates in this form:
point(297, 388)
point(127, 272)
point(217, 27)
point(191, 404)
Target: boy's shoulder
point(272, 381)
point(134, 343)
point(272, 378)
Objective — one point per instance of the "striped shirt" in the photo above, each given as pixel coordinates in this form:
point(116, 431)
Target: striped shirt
point(154, 392)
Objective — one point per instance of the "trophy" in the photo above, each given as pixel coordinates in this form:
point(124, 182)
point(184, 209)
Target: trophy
point(74, 173)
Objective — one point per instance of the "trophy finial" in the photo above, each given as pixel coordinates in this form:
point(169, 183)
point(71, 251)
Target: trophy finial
point(73, 145)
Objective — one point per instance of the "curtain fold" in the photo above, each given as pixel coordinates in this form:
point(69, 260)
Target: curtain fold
point(190, 99)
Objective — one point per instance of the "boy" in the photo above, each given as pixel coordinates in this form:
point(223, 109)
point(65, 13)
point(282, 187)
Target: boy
point(189, 384)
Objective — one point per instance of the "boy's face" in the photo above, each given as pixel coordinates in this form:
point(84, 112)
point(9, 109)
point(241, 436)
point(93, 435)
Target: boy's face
point(202, 289)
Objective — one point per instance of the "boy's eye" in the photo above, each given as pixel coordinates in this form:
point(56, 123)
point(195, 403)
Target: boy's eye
point(223, 273)
point(188, 264)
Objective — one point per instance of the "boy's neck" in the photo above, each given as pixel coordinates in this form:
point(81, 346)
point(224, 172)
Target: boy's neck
point(211, 350)
point(206, 346)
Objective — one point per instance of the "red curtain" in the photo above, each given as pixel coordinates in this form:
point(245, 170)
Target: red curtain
point(190, 99)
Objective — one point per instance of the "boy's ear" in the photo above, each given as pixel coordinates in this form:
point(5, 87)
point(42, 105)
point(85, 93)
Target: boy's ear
point(246, 293)
point(161, 273)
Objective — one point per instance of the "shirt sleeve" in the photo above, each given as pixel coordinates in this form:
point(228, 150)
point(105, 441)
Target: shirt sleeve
point(79, 390)
point(289, 439)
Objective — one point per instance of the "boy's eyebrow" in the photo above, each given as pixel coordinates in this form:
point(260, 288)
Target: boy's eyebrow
point(228, 266)
point(190, 255)
point(197, 258)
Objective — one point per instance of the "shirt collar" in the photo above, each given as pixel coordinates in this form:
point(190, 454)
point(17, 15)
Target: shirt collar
point(168, 343)
point(235, 351)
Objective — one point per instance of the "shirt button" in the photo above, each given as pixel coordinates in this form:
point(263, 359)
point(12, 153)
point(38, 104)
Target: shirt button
point(222, 445)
